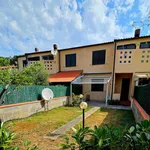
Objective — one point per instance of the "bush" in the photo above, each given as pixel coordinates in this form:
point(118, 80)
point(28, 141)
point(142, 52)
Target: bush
point(5, 138)
point(75, 100)
point(110, 138)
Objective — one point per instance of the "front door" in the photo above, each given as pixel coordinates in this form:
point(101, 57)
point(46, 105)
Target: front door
point(125, 89)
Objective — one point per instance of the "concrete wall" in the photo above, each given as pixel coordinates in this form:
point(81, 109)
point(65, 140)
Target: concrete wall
point(22, 110)
point(138, 111)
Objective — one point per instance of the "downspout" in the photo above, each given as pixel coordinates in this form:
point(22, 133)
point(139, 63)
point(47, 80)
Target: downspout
point(59, 68)
point(112, 88)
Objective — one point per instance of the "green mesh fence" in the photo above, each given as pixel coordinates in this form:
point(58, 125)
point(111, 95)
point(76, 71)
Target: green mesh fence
point(142, 95)
point(30, 93)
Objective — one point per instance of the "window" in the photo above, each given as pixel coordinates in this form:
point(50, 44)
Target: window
point(125, 56)
point(97, 87)
point(130, 52)
point(24, 62)
point(142, 56)
point(70, 60)
point(120, 61)
point(127, 46)
point(125, 61)
point(48, 57)
point(142, 61)
point(146, 61)
point(121, 52)
point(129, 56)
point(147, 56)
point(129, 61)
point(145, 45)
point(143, 51)
point(120, 57)
point(98, 57)
point(34, 58)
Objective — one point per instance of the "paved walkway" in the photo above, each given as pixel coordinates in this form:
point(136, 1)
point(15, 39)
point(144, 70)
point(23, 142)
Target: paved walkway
point(102, 104)
point(63, 129)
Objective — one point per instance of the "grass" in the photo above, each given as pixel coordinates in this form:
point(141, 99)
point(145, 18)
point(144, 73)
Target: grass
point(111, 116)
point(34, 128)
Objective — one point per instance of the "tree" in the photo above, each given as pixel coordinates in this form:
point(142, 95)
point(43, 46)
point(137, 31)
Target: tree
point(4, 61)
point(32, 75)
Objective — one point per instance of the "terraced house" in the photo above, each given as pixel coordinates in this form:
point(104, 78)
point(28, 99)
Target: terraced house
point(101, 71)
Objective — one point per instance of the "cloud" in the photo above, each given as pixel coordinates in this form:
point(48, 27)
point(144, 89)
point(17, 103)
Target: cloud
point(144, 8)
point(27, 24)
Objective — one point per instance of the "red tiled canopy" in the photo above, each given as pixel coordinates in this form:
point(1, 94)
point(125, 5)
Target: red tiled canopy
point(64, 76)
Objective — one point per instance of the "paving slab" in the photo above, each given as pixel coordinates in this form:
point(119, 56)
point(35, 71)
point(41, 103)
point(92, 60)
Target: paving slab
point(63, 129)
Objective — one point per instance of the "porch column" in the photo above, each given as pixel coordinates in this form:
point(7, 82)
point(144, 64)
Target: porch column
point(70, 90)
point(106, 93)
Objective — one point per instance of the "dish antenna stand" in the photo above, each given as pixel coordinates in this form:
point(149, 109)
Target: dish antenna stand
point(47, 95)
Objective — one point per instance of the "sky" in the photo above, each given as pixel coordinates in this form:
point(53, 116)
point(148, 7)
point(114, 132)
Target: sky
point(26, 24)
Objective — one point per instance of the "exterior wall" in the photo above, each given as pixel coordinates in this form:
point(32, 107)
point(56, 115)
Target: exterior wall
point(100, 95)
point(23, 110)
point(138, 111)
point(20, 62)
point(136, 56)
point(84, 59)
point(118, 84)
point(136, 66)
point(52, 66)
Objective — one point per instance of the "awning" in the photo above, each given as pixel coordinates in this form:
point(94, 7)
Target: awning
point(64, 76)
point(91, 80)
point(142, 75)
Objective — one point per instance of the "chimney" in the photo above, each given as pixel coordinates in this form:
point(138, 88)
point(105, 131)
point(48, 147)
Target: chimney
point(55, 47)
point(36, 49)
point(137, 33)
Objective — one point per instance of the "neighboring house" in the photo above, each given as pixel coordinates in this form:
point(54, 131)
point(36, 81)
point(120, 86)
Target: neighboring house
point(7, 67)
point(99, 71)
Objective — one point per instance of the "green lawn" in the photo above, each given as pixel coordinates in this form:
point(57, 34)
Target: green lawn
point(111, 116)
point(34, 128)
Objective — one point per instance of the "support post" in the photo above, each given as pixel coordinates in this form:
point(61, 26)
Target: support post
point(70, 91)
point(106, 93)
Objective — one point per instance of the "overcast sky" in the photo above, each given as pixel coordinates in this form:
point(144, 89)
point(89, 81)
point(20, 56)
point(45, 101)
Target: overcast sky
point(26, 24)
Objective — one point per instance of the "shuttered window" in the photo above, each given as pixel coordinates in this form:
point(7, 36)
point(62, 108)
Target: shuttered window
point(98, 57)
point(48, 57)
point(34, 58)
point(70, 60)
point(127, 46)
point(97, 87)
point(144, 45)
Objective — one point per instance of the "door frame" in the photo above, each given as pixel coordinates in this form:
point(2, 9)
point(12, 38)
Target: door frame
point(121, 93)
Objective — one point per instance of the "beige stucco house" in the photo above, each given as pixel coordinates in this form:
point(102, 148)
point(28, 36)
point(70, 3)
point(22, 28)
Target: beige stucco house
point(101, 71)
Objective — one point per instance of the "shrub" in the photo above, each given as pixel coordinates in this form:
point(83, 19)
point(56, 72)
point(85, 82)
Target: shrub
point(6, 138)
point(109, 138)
point(75, 100)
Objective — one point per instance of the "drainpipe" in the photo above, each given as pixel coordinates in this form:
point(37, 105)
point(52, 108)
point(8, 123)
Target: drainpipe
point(112, 88)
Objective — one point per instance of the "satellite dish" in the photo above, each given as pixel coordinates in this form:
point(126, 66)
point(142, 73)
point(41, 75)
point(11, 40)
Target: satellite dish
point(54, 52)
point(47, 94)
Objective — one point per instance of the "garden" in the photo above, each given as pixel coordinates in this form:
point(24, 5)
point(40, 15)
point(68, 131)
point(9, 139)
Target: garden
point(36, 127)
